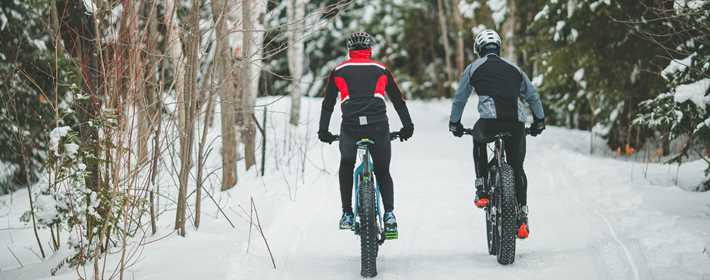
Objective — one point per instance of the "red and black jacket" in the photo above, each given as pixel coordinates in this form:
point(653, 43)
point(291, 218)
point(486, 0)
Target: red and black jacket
point(360, 84)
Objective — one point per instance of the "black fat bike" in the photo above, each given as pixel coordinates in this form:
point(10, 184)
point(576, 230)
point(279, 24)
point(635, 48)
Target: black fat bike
point(502, 211)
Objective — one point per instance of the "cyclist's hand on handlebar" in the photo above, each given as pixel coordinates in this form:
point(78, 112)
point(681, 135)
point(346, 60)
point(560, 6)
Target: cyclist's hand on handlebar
point(326, 137)
point(456, 128)
point(406, 132)
point(537, 127)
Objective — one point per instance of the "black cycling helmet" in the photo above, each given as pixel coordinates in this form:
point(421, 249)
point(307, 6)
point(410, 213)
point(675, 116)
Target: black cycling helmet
point(360, 41)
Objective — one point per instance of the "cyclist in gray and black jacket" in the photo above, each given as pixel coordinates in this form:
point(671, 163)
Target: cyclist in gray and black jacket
point(500, 86)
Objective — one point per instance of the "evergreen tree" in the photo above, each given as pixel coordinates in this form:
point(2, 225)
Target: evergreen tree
point(593, 70)
point(34, 81)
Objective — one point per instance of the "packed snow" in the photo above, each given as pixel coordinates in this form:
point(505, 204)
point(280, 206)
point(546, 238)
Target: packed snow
point(591, 216)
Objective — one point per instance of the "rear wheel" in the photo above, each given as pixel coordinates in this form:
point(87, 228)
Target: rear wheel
point(369, 231)
point(506, 218)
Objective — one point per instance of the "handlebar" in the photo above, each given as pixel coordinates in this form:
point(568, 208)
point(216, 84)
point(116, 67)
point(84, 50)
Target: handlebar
point(393, 136)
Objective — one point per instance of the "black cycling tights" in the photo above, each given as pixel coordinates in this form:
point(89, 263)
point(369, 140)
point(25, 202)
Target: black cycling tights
point(514, 150)
point(381, 154)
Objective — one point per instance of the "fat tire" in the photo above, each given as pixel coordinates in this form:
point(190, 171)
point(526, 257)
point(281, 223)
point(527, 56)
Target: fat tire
point(506, 204)
point(369, 231)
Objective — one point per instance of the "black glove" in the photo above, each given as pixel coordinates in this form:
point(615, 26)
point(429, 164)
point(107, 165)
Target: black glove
point(537, 127)
point(456, 128)
point(406, 132)
point(326, 137)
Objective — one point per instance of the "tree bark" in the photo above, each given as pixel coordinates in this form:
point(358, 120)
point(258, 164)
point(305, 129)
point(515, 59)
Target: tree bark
point(445, 40)
point(189, 109)
point(149, 101)
point(460, 31)
point(223, 64)
point(508, 32)
point(295, 10)
point(174, 49)
point(248, 92)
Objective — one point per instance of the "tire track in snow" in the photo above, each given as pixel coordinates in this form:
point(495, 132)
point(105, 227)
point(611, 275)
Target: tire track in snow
point(573, 205)
point(627, 253)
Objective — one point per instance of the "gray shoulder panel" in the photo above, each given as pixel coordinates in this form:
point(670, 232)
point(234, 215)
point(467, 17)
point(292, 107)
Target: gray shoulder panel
point(477, 63)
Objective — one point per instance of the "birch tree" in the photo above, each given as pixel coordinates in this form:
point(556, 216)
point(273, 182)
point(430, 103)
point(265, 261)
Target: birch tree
point(223, 67)
point(248, 129)
point(174, 51)
point(295, 10)
point(253, 11)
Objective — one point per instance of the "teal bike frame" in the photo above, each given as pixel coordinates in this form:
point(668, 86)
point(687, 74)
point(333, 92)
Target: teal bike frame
point(365, 171)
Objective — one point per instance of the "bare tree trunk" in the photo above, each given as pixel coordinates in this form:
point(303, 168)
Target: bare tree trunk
point(295, 10)
point(223, 64)
point(153, 99)
point(189, 108)
point(248, 99)
point(460, 52)
point(508, 32)
point(174, 49)
point(445, 40)
point(201, 157)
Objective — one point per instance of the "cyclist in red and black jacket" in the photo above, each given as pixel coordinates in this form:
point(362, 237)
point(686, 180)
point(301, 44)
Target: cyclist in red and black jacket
point(361, 84)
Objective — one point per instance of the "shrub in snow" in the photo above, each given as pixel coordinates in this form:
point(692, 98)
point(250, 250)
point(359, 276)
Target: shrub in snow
point(62, 201)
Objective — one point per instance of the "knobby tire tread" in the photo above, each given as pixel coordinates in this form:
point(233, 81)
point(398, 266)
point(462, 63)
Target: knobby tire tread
point(508, 220)
point(368, 230)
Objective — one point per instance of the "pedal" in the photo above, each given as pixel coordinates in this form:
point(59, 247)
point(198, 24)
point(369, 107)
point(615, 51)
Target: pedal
point(523, 231)
point(481, 203)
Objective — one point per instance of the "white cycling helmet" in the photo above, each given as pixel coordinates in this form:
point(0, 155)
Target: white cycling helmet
point(484, 38)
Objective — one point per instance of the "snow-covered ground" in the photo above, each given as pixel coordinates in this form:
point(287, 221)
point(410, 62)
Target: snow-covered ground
point(591, 217)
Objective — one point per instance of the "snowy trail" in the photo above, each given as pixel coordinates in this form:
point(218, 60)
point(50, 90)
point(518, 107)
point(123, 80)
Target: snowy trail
point(441, 234)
